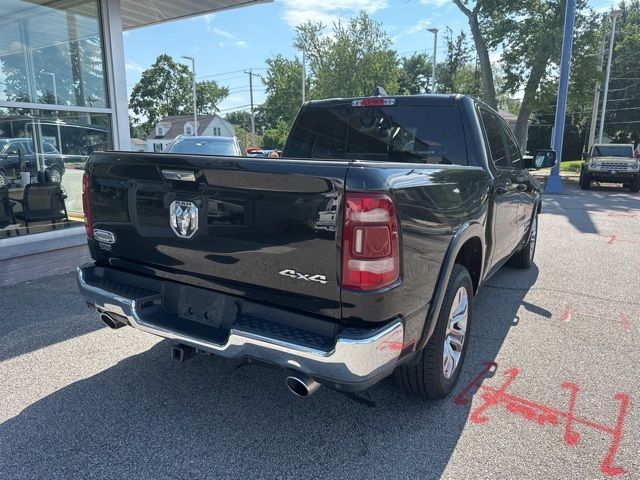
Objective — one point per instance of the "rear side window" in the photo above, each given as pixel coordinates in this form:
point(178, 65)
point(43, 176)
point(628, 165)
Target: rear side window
point(318, 133)
point(514, 152)
point(404, 134)
point(495, 137)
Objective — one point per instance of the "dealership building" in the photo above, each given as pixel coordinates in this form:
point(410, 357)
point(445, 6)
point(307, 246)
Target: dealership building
point(63, 95)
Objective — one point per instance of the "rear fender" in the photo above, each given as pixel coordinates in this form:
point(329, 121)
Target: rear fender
point(466, 232)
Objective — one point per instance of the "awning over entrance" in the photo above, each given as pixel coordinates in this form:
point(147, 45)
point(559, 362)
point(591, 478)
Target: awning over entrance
point(137, 14)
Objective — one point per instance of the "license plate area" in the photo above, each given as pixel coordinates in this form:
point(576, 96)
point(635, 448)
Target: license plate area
point(199, 305)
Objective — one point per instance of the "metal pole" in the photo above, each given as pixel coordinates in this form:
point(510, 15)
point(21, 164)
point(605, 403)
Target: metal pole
point(554, 184)
point(434, 88)
point(596, 94)
point(195, 102)
point(614, 15)
point(253, 115)
point(55, 101)
point(304, 77)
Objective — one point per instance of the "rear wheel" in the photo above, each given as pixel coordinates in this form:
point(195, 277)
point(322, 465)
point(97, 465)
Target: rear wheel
point(523, 258)
point(585, 181)
point(634, 185)
point(437, 371)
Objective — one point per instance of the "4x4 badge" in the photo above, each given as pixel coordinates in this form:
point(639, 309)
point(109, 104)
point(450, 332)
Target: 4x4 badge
point(183, 218)
point(301, 276)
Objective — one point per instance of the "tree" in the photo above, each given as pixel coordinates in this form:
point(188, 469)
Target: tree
point(414, 74)
point(165, 88)
point(352, 61)
point(241, 118)
point(283, 83)
point(482, 50)
point(274, 138)
point(208, 95)
point(457, 58)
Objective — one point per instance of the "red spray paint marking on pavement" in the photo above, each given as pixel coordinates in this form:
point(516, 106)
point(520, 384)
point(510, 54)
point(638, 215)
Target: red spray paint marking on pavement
point(624, 322)
point(567, 314)
point(612, 239)
point(544, 414)
point(611, 213)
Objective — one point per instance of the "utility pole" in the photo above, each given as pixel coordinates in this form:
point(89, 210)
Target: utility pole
point(554, 183)
point(195, 101)
point(614, 15)
point(253, 113)
point(596, 94)
point(434, 89)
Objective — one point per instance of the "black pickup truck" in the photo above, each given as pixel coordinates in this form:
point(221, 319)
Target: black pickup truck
point(355, 255)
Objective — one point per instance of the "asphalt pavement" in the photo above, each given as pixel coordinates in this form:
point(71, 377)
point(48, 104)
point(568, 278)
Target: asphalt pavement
point(554, 355)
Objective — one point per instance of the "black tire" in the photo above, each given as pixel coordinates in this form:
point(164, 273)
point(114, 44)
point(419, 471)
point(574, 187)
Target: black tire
point(634, 185)
point(427, 378)
point(4, 180)
point(523, 258)
point(56, 174)
point(585, 181)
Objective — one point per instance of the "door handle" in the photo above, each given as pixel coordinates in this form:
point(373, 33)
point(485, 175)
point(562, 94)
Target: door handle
point(502, 190)
point(522, 187)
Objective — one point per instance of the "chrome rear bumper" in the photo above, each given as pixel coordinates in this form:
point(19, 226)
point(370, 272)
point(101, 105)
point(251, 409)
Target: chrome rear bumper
point(354, 359)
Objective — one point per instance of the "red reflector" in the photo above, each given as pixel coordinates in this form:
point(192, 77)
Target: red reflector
point(370, 245)
point(86, 204)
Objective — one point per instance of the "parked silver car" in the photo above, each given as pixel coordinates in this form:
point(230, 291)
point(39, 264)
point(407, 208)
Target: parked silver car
point(222, 146)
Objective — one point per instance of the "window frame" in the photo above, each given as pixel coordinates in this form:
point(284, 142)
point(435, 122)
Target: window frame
point(480, 109)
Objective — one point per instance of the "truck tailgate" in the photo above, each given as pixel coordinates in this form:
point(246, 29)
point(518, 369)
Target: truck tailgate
point(263, 228)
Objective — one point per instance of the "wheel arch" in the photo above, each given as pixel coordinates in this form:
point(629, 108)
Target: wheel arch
point(468, 249)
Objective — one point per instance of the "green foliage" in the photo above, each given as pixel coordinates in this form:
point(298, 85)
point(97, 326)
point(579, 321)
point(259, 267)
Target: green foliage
point(352, 61)
point(283, 82)
point(241, 118)
point(274, 138)
point(414, 75)
point(165, 88)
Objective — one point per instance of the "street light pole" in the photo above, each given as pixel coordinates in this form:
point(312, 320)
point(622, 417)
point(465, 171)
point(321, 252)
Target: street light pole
point(596, 94)
point(253, 112)
point(614, 16)
point(554, 183)
point(304, 77)
point(195, 101)
point(434, 88)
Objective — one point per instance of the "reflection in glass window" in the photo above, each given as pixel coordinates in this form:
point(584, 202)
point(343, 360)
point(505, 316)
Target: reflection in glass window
point(63, 46)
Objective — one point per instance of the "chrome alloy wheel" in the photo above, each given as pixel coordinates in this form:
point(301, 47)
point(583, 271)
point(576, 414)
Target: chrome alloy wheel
point(56, 177)
point(456, 332)
point(533, 237)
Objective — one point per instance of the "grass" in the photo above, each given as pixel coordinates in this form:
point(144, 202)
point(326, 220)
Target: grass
point(571, 166)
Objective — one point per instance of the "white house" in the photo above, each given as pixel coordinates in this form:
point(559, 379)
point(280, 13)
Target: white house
point(170, 127)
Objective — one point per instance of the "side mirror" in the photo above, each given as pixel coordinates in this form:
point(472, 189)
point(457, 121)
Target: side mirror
point(542, 159)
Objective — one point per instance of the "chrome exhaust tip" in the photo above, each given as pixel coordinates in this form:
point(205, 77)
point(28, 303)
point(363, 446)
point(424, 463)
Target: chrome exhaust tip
point(111, 322)
point(301, 385)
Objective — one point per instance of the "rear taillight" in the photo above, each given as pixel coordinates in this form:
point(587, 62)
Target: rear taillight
point(370, 245)
point(86, 204)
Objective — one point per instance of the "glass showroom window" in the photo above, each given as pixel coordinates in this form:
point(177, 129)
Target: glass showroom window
point(54, 110)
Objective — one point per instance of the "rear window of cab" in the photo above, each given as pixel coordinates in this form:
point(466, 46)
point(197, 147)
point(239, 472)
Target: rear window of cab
point(404, 134)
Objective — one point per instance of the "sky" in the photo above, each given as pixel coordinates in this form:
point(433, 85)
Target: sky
point(225, 44)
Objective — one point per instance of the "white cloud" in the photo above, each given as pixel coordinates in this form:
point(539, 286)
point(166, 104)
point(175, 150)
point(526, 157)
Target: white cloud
point(436, 3)
point(133, 67)
point(236, 44)
point(297, 12)
point(232, 40)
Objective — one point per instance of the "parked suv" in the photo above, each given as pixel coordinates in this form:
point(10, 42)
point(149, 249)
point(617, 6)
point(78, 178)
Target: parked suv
point(18, 154)
point(613, 163)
